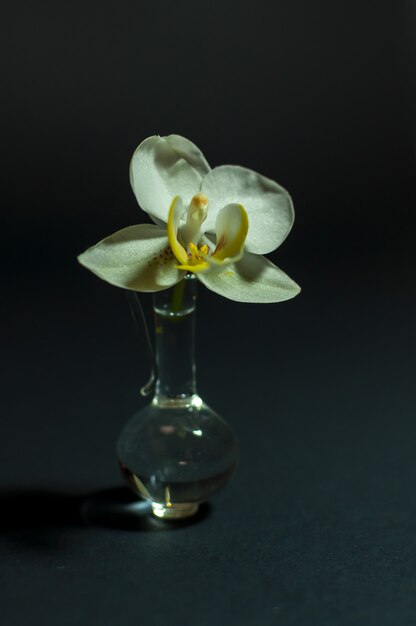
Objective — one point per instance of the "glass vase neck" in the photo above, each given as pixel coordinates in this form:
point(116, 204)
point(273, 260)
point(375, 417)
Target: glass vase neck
point(174, 315)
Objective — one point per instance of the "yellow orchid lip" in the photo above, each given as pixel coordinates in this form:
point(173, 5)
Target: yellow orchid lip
point(197, 262)
point(201, 267)
point(194, 260)
point(231, 227)
point(175, 213)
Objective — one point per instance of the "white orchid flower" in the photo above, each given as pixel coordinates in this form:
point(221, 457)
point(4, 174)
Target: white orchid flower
point(215, 223)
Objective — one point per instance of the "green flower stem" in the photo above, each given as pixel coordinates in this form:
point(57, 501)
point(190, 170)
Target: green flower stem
point(177, 296)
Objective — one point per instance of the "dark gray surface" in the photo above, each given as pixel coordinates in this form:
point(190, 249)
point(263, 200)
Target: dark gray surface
point(317, 526)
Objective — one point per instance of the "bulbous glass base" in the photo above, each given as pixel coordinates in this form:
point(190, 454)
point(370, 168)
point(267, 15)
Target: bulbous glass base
point(176, 453)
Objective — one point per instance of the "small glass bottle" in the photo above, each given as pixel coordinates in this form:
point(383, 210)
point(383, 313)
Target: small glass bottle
point(176, 452)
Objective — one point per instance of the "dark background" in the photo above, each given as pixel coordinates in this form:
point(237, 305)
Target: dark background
point(318, 525)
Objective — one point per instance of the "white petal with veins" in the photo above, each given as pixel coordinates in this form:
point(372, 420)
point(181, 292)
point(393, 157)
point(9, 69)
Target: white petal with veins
point(137, 257)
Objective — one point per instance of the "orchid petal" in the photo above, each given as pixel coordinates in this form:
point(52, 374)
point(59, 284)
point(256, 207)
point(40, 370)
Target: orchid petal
point(137, 258)
point(163, 167)
point(268, 205)
point(253, 279)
